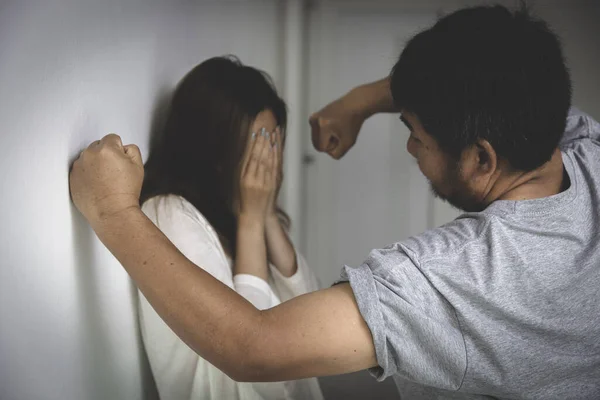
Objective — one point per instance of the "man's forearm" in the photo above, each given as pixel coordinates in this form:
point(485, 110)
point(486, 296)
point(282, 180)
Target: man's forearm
point(373, 98)
point(314, 334)
point(210, 317)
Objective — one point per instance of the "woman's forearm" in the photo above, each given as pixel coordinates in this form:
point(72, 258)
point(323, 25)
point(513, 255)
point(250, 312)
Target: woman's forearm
point(251, 252)
point(280, 250)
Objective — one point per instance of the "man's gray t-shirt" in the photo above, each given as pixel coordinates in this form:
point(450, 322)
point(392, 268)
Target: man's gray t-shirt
point(503, 303)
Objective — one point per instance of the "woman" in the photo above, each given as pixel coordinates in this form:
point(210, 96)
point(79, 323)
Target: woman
point(211, 185)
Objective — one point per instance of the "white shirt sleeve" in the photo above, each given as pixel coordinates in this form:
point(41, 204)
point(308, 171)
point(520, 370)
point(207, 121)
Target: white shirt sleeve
point(255, 290)
point(179, 372)
point(302, 282)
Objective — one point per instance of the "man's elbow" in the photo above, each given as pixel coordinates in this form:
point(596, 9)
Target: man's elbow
point(256, 361)
point(252, 372)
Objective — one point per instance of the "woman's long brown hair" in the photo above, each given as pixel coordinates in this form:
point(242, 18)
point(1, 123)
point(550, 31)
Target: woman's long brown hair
point(197, 154)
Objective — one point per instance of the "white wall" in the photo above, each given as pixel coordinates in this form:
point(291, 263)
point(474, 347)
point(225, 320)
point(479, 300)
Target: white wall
point(70, 72)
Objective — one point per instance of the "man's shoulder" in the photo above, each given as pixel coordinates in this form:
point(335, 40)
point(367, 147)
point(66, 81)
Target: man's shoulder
point(445, 241)
point(580, 129)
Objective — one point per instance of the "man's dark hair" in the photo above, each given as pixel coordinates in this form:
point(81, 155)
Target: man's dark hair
point(487, 73)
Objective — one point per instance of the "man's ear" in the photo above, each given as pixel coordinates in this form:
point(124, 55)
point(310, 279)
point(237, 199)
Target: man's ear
point(487, 159)
point(478, 160)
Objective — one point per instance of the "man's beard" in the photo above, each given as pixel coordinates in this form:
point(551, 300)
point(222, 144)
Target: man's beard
point(459, 197)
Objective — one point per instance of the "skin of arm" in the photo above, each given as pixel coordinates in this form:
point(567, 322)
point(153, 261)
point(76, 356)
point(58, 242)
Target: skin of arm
point(373, 98)
point(251, 254)
point(335, 127)
point(261, 234)
point(256, 186)
point(317, 334)
point(281, 252)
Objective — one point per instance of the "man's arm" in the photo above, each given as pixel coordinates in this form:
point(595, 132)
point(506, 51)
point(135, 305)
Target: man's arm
point(317, 334)
point(335, 127)
point(375, 97)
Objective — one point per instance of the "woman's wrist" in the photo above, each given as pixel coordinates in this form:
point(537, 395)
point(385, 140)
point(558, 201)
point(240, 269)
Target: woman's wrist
point(272, 219)
point(251, 222)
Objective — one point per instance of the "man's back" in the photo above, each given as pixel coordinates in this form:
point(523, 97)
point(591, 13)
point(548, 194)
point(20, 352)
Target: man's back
point(518, 283)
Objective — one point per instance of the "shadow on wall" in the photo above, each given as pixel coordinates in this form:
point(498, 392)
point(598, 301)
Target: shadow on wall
point(97, 353)
point(96, 349)
point(100, 353)
point(99, 357)
point(159, 116)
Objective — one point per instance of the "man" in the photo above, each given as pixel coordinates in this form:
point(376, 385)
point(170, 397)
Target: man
point(502, 302)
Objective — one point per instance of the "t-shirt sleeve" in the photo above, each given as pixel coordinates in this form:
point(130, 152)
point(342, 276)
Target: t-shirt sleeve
point(579, 126)
point(255, 290)
point(415, 330)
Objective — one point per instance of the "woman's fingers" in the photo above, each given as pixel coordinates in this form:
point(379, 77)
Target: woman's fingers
point(250, 144)
point(276, 165)
point(256, 159)
point(268, 165)
point(271, 175)
point(264, 158)
point(280, 145)
point(254, 154)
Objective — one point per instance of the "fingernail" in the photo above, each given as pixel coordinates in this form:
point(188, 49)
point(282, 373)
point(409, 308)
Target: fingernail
point(253, 135)
point(262, 132)
point(267, 135)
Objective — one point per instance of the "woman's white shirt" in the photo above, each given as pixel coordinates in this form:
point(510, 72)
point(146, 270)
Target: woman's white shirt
point(179, 372)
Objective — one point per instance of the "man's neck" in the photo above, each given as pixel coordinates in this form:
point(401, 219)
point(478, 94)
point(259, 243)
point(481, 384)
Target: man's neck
point(541, 182)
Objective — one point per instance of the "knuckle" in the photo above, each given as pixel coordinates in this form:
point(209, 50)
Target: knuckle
point(104, 150)
point(113, 138)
